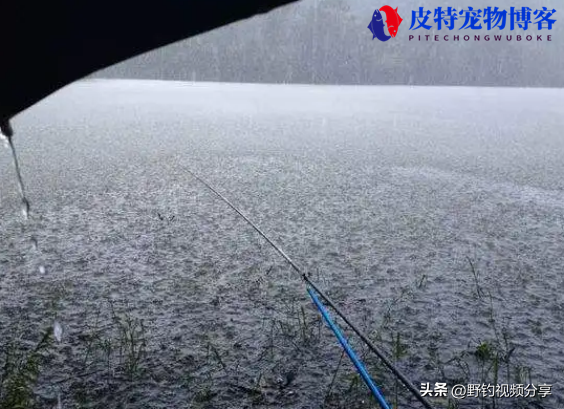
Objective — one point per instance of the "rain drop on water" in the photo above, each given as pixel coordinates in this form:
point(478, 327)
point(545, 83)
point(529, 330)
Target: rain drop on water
point(58, 331)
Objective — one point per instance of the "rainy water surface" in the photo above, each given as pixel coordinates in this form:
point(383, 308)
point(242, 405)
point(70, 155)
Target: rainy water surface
point(432, 213)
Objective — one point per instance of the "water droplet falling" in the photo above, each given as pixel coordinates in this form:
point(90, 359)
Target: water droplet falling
point(25, 208)
point(42, 269)
point(57, 331)
point(25, 202)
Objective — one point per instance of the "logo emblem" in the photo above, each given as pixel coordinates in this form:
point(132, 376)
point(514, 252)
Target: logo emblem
point(393, 21)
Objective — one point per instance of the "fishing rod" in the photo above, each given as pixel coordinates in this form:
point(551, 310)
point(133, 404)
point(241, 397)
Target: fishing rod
point(357, 363)
point(324, 296)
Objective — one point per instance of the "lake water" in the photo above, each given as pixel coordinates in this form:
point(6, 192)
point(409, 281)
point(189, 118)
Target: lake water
point(388, 196)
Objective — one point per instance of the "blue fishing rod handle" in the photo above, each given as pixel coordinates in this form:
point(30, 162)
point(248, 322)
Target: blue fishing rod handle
point(352, 355)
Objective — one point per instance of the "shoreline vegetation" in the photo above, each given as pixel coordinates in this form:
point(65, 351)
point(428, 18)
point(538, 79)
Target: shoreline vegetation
point(329, 42)
point(109, 358)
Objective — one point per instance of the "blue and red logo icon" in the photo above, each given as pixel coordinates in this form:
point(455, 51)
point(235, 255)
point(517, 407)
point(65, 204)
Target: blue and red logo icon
point(393, 21)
